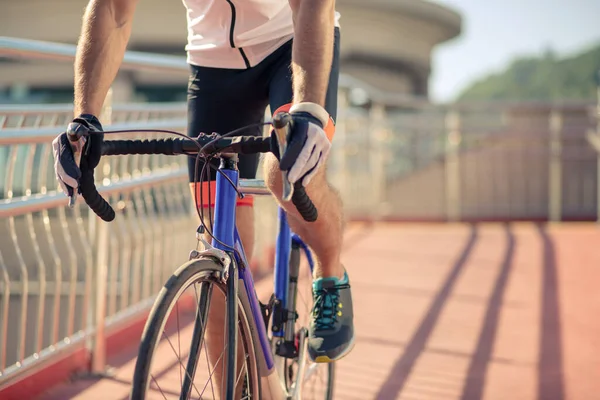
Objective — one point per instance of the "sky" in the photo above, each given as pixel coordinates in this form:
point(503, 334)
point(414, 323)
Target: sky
point(494, 32)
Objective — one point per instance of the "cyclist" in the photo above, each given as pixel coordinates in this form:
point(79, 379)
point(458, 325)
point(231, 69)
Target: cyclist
point(244, 55)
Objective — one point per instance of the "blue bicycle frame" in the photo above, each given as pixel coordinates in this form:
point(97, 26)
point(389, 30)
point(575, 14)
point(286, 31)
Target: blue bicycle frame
point(225, 231)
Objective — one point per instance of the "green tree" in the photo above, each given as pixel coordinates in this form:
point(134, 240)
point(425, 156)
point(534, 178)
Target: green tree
point(541, 78)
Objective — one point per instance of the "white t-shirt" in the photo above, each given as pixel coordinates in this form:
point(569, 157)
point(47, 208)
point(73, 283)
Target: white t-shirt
point(236, 33)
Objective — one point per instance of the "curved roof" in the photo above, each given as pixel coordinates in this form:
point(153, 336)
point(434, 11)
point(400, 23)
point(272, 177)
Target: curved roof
point(422, 9)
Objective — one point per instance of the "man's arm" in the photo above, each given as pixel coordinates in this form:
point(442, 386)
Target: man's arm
point(104, 37)
point(312, 49)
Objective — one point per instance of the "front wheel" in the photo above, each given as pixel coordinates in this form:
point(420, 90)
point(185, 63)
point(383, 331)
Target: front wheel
point(181, 326)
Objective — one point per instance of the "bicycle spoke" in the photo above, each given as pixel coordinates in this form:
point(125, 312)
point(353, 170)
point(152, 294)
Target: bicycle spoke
point(180, 362)
point(213, 371)
point(210, 377)
point(198, 336)
point(158, 386)
point(240, 375)
point(205, 347)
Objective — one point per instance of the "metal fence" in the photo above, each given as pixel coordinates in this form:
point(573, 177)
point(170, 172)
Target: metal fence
point(467, 162)
point(63, 272)
point(65, 276)
point(594, 141)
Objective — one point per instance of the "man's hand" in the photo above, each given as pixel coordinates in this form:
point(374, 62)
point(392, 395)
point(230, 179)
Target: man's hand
point(308, 145)
point(68, 154)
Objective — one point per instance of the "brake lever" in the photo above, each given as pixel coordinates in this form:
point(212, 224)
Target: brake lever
point(75, 131)
point(281, 125)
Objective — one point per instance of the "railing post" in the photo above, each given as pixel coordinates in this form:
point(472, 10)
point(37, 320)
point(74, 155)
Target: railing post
point(377, 116)
point(598, 153)
point(452, 166)
point(555, 171)
point(342, 174)
point(100, 278)
point(98, 364)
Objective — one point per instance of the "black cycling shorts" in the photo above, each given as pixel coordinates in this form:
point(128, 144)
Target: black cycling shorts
point(221, 100)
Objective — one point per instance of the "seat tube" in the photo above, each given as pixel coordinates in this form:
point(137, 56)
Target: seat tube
point(282, 258)
point(225, 201)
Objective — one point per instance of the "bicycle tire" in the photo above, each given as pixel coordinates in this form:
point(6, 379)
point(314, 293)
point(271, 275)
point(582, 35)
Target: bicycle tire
point(289, 381)
point(330, 380)
point(195, 271)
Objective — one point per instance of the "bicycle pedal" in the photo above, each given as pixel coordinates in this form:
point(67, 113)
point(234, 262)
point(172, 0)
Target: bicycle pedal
point(287, 349)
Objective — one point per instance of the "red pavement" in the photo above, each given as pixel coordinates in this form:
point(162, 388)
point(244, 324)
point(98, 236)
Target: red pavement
point(456, 311)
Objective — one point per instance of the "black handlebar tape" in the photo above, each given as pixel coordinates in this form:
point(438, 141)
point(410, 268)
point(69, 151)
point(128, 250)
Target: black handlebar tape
point(168, 147)
point(172, 147)
point(93, 199)
point(303, 203)
point(250, 144)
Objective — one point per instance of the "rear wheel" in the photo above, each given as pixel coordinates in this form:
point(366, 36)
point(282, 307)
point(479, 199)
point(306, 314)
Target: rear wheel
point(178, 325)
point(314, 380)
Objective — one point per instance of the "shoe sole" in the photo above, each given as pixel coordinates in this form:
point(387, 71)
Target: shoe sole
point(324, 359)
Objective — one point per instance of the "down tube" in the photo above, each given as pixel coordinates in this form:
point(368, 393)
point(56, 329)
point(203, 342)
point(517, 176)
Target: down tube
point(225, 230)
point(246, 277)
point(282, 259)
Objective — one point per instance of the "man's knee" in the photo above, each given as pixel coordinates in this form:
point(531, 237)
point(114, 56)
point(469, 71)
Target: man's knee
point(273, 179)
point(272, 174)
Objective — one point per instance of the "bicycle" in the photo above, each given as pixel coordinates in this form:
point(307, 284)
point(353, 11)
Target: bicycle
point(275, 361)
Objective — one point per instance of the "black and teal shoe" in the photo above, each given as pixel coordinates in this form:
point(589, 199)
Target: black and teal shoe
point(331, 330)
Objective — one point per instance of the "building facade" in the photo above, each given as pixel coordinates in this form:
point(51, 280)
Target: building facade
point(386, 43)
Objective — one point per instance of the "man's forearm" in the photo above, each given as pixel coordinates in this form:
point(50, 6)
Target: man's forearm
point(104, 37)
point(312, 49)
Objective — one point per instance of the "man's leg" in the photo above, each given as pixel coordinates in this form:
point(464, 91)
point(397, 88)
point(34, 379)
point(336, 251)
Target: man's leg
point(324, 236)
point(331, 330)
point(221, 100)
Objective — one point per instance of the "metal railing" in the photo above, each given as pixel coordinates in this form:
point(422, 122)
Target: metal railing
point(463, 163)
point(64, 273)
point(593, 138)
point(133, 60)
point(65, 276)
